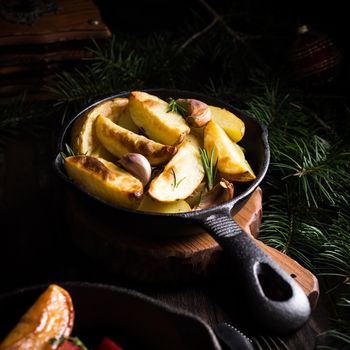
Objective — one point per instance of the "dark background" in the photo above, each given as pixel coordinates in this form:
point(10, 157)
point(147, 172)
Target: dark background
point(276, 22)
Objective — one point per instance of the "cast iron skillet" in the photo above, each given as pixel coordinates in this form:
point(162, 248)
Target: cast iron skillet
point(276, 301)
point(132, 319)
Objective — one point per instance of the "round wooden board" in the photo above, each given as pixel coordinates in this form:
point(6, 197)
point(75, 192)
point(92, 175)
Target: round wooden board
point(173, 260)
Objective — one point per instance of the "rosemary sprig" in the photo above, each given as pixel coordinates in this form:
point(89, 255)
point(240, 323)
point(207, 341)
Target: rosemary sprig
point(75, 340)
point(69, 151)
point(210, 168)
point(57, 341)
point(177, 107)
point(175, 183)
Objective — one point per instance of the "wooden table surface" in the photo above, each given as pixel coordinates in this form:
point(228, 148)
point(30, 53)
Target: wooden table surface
point(37, 248)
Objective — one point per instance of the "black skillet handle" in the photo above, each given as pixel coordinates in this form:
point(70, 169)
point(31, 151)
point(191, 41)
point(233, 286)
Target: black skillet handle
point(275, 300)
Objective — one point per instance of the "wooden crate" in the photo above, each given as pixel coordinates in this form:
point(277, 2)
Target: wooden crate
point(30, 54)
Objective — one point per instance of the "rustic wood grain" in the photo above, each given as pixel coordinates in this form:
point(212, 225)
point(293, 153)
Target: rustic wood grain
point(76, 20)
point(250, 216)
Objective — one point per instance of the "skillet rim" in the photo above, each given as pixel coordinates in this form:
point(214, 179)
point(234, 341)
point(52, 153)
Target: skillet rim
point(196, 214)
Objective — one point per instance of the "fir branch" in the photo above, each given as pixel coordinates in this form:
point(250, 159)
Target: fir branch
point(80, 88)
point(341, 339)
point(320, 170)
point(335, 253)
point(235, 35)
point(285, 228)
point(198, 34)
point(117, 66)
point(169, 67)
point(308, 190)
point(117, 58)
point(19, 117)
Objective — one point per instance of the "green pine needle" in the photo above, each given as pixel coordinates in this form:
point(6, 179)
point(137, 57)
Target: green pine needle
point(319, 170)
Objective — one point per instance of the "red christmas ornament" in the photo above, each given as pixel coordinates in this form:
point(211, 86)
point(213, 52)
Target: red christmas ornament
point(314, 56)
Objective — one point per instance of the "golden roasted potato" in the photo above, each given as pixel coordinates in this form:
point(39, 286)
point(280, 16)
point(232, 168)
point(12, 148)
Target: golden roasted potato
point(126, 122)
point(83, 136)
point(51, 316)
point(150, 114)
point(231, 160)
point(150, 204)
point(181, 176)
point(105, 180)
point(232, 125)
point(120, 141)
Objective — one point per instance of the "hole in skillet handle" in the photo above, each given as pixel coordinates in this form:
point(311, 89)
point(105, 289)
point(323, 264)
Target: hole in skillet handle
point(273, 298)
point(273, 286)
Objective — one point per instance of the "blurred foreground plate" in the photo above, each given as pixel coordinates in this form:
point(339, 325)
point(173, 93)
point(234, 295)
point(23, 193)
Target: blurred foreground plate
point(133, 320)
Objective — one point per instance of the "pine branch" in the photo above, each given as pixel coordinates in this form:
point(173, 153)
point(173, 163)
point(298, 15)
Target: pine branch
point(321, 172)
point(198, 34)
point(306, 215)
point(117, 58)
point(235, 35)
point(19, 116)
point(286, 227)
point(335, 255)
point(118, 66)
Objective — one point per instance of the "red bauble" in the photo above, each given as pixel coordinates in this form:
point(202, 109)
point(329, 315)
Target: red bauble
point(314, 56)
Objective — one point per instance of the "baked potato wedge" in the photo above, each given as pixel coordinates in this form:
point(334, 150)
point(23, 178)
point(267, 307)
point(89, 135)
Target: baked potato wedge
point(105, 180)
point(181, 176)
point(232, 125)
point(51, 316)
point(231, 160)
point(151, 115)
point(152, 205)
point(126, 122)
point(120, 141)
point(83, 136)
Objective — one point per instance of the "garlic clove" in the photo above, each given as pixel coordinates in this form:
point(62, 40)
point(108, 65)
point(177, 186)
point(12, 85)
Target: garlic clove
point(137, 165)
point(220, 193)
point(198, 112)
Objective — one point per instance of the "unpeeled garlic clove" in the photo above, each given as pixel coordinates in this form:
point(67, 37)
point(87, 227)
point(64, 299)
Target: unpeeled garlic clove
point(198, 112)
point(220, 193)
point(137, 165)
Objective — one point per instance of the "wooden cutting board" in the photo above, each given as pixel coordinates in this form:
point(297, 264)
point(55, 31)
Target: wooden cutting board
point(173, 260)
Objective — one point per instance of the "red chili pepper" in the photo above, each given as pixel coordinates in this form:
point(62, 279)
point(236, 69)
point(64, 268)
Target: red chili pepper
point(67, 345)
point(108, 344)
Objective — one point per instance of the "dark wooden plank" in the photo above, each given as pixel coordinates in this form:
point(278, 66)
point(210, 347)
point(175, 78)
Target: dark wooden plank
point(77, 20)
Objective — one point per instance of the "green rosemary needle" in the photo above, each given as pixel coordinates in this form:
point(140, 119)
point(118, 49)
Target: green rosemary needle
point(69, 151)
point(210, 168)
point(175, 183)
point(177, 107)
